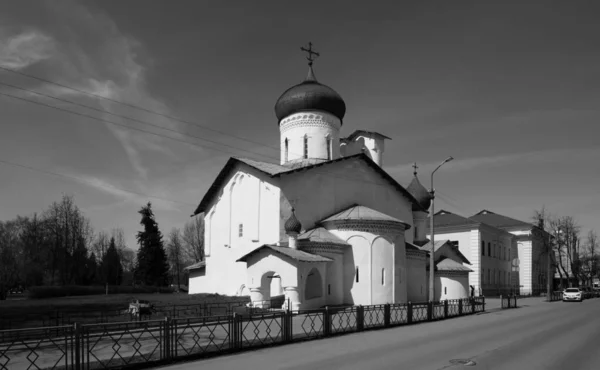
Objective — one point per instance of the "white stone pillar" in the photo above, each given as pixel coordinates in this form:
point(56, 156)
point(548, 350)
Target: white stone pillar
point(256, 295)
point(292, 294)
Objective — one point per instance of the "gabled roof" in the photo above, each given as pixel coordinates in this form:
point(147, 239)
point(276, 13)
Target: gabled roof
point(447, 264)
point(320, 235)
point(197, 265)
point(275, 170)
point(356, 133)
point(286, 251)
point(440, 243)
point(445, 218)
point(358, 212)
point(410, 246)
point(500, 221)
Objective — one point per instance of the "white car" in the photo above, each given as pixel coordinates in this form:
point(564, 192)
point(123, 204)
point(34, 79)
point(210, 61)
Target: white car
point(573, 294)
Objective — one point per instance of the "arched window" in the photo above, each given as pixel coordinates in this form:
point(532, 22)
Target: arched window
point(305, 146)
point(286, 149)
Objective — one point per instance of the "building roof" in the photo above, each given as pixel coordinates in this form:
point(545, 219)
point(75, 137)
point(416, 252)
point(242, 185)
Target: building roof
point(320, 235)
point(500, 221)
point(420, 193)
point(310, 95)
point(445, 218)
point(356, 133)
point(283, 249)
point(447, 264)
point(197, 265)
point(358, 212)
point(275, 170)
point(440, 243)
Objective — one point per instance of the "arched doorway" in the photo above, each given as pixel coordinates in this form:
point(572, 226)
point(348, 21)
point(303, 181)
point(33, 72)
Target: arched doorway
point(314, 285)
point(272, 290)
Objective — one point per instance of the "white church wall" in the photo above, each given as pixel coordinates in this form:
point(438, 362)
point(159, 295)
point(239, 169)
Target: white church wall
point(334, 281)
point(312, 285)
point(320, 193)
point(401, 272)
point(382, 270)
point(234, 226)
point(318, 127)
point(419, 230)
point(357, 271)
point(451, 286)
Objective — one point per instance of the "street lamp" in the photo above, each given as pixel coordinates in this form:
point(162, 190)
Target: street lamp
point(431, 259)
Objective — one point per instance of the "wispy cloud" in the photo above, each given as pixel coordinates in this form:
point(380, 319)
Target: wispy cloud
point(469, 164)
point(24, 49)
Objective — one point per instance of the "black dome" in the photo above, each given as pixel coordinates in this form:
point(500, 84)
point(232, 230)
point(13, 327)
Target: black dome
point(310, 95)
point(292, 225)
point(420, 193)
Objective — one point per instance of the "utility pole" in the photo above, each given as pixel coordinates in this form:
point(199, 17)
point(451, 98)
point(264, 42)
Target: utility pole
point(432, 229)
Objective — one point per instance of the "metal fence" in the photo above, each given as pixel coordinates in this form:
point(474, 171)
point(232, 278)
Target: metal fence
point(508, 301)
point(556, 296)
point(154, 342)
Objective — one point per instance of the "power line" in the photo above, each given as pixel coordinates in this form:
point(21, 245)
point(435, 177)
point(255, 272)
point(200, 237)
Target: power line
point(136, 107)
point(130, 118)
point(90, 183)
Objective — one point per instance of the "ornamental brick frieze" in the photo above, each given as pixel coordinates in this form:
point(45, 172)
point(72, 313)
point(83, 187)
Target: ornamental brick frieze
point(309, 120)
point(378, 227)
point(416, 255)
point(323, 248)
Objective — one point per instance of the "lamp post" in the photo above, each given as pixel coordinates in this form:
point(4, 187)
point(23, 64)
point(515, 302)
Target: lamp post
point(431, 259)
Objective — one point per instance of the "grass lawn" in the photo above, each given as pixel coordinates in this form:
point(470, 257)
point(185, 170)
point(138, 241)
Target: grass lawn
point(111, 302)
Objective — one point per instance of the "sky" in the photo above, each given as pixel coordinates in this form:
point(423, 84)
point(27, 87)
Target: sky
point(509, 89)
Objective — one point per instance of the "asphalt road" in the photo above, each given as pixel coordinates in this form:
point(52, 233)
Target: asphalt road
point(538, 335)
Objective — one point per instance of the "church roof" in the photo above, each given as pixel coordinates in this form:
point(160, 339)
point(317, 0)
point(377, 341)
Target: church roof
point(286, 251)
point(447, 264)
point(310, 95)
point(445, 218)
point(500, 221)
point(320, 235)
point(197, 265)
point(275, 170)
point(357, 212)
point(411, 246)
point(439, 244)
point(356, 133)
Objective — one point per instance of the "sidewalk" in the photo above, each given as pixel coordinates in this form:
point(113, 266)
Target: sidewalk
point(494, 304)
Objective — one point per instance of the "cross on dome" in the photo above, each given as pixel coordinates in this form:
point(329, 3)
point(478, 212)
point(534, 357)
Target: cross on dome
point(310, 52)
point(415, 167)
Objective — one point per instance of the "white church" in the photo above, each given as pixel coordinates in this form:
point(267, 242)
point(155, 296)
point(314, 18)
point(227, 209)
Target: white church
point(325, 226)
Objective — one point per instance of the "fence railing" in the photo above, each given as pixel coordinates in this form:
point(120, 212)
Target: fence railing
point(508, 301)
point(556, 296)
point(152, 342)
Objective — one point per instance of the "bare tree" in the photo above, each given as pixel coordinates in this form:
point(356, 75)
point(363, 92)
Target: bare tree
point(9, 256)
point(193, 239)
point(100, 244)
point(589, 258)
point(175, 255)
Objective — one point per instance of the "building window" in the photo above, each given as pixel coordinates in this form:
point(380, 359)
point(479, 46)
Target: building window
point(445, 290)
point(241, 230)
point(489, 249)
point(329, 151)
point(286, 149)
point(383, 276)
point(305, 147)
point(482, 248)
point(357, 274)
point(329, 289)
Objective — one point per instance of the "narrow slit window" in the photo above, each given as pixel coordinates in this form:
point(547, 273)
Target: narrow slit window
point(445, 290)
point(329, 152)
point(489, 249)
point(383, 276)
point(357, 274)
point(482, 248)
point(305, 147)
point(286, 149)
point(329, 289)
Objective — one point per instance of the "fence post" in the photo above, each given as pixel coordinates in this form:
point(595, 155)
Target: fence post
point(483, 304)
point(326, 322)
point(386, 315)
point(460, 307)
point(409, 313)
point(360, 318)
point(167, 339)
point(429, 310)
point(78, 346)
point(445, 309)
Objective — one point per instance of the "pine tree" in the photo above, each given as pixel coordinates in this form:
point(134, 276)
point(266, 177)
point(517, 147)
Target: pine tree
point(112, 271)
point(152, 264)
